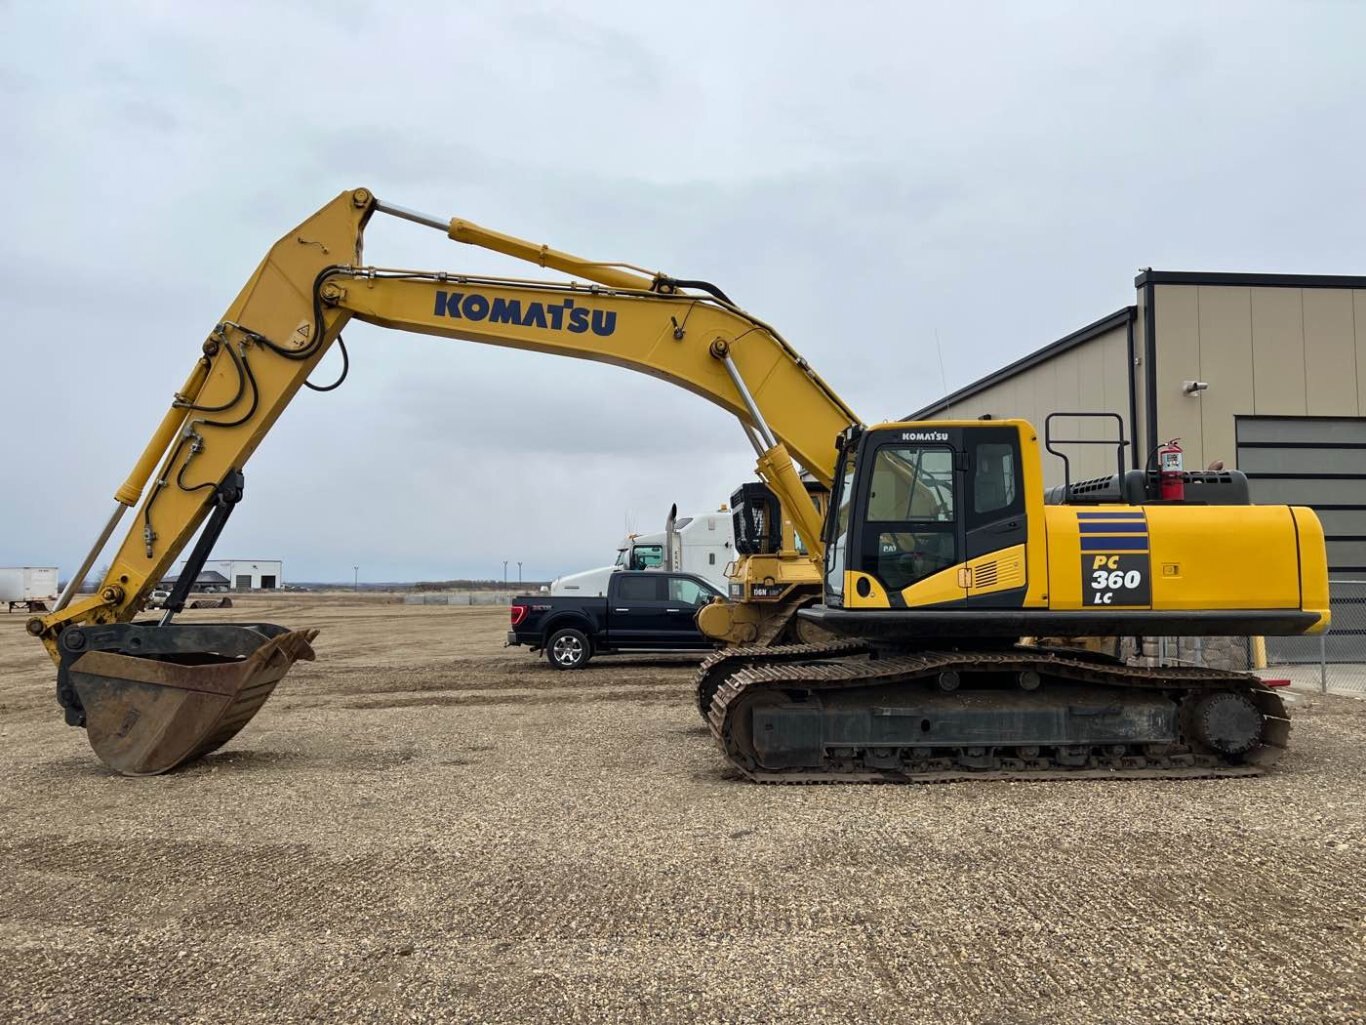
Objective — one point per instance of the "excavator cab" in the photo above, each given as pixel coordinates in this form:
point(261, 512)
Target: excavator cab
point(929, 515)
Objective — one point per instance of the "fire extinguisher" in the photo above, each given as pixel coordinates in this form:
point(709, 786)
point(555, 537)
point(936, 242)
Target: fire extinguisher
point(1170, 472)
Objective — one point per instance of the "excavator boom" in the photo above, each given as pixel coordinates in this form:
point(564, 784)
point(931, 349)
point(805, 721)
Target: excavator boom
point(153, 695)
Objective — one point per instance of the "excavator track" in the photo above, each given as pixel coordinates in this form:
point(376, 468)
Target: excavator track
point(834, 713)
point(720, 665)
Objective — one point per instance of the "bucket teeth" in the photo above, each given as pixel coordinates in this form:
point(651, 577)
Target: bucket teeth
point(156, 697)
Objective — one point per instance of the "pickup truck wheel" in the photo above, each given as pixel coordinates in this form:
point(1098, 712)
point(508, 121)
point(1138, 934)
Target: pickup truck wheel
point(568, 649)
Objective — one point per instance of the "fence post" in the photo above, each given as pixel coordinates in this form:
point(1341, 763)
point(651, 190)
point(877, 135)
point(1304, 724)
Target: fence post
point(1323, 663)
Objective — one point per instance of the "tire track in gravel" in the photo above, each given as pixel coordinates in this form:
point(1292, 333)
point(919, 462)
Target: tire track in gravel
point(617, 696)
point(451, 682)
point(385, 864)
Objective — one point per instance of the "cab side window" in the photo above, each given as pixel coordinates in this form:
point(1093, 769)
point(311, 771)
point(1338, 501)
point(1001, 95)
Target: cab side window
point(645, 587)
point(996, 485)
point(686, 591)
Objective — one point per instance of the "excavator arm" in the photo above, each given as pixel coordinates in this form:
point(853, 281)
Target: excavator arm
point(258, 356)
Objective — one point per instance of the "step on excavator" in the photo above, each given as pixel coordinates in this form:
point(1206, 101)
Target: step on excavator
point(937, 553)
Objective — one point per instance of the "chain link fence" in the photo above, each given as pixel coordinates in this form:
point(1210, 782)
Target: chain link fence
point(1334, 661)
point(461, 597)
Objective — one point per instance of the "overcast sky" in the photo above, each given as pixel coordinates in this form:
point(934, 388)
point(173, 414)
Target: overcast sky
point(866, 177)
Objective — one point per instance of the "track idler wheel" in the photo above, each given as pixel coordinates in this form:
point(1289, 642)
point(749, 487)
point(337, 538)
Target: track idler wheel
point(152, 698)
point(1226, 721)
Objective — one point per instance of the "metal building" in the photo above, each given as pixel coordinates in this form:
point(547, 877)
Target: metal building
point(250, 574)
point(1266, 372)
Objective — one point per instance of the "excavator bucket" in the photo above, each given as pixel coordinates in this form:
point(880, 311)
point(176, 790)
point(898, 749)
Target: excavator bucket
point(154, 697)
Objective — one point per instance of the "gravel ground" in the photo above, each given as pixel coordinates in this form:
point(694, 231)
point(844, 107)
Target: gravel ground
point(423, 826)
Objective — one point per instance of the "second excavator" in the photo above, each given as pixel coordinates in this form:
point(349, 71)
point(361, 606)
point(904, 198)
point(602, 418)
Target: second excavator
point(937, 550)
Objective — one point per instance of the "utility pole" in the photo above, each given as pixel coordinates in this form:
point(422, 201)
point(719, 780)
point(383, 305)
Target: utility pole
point(505, 572)
point(355, 583)
point(519, 571)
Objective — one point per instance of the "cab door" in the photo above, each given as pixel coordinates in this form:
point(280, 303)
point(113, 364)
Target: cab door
point(911, 529)
point(995, 524)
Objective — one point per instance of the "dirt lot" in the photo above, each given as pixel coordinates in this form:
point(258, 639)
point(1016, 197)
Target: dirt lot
point(424, 826)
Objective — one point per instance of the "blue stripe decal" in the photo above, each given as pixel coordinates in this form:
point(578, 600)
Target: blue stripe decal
point(1115, 544)
point(1110, 515)
point(1117, 527)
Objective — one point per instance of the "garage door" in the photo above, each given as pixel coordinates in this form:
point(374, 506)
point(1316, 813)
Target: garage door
point(1319, 462)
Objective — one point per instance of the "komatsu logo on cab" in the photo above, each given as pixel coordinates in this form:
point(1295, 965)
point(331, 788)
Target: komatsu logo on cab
point(555, 316)
point(924, 436)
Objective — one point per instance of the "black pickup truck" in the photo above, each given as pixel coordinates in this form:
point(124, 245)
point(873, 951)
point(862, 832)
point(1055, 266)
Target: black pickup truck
point(645, 610)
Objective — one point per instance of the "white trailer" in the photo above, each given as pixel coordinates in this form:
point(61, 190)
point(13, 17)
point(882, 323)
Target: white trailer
point(702, 545)
point(32, 588)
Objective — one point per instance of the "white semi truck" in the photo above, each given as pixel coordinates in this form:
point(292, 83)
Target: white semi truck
point(32, 588)
point(702, 545)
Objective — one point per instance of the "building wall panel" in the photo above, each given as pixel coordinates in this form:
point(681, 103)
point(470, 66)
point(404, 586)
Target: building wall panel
point(1177, 317)
point(1330, 356)
point(1278, 351)
point(1359, 330)
point(1226, 365)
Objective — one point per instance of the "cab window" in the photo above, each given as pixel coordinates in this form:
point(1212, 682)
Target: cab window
point(646, 587)
point(912, 484)
point(996, 484)
point(993, 478)
point(647, 556)
point(912, 528)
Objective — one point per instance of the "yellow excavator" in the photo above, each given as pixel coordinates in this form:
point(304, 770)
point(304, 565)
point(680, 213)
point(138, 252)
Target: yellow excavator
point(937, 551)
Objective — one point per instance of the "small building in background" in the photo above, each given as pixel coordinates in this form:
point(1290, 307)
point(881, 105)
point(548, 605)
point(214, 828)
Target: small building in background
point(208, 580)
point(248, 574)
